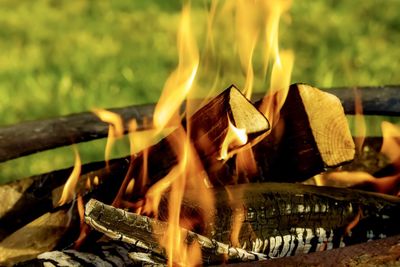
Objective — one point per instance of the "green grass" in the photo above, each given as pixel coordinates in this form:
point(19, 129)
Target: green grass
point(59, 57)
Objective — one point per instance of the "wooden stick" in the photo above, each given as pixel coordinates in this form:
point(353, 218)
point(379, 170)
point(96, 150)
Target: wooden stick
point(29, 137)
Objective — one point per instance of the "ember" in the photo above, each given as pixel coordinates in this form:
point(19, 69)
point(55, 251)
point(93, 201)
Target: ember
point(223, 183)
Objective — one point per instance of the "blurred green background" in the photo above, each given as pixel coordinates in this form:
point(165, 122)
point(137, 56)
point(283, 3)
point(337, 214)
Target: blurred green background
point(59, 57)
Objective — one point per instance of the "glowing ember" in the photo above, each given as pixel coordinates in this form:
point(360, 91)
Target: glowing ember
point(68, 193)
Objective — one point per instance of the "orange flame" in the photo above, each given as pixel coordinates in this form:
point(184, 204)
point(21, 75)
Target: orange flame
point(391, 143)
point(181, 80)
point(68, 193)
point(132, 126)
point(115, 130)
point(234, 137)
point(360, 125)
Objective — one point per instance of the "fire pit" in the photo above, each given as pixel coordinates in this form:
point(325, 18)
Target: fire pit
point(233, 178)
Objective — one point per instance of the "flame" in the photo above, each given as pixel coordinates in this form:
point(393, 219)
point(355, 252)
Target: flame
point(363, 180)
point(115, 130)
point(84, 228)
point(68, 192)
point(360, 125)
point(247, 32)
point(391, 143)
point(279, 88)
point(181, 80)
point(234, 137)
point(254, 18)
point(128, 181)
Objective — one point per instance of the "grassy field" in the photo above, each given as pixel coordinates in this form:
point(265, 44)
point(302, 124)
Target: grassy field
point(59, 57)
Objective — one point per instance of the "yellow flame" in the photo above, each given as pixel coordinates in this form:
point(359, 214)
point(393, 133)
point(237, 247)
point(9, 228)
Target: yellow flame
point(115, 130)
point(279, 88)
point(247, 31)
point(234, 137)
point(68, 193)
point(181, 80)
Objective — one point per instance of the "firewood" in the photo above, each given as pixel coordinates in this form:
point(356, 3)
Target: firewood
point(29, 137)
point(285, 212)
point(145, 233)
point(383, 252)
point(208, 129)
point(28, 199)
point(312, 134)
point(284, 219)
point(210, 124)
point(106, 253)
point(40, 235)
point(34, 136)
point(280, 219)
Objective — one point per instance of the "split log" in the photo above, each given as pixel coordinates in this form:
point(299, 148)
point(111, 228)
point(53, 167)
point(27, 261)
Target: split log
point(29, 137)
point(312, 134)
point(211, 124)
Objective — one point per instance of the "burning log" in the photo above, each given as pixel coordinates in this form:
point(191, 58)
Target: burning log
point(312, 134)
point(146, 233)
point(295, 155)
point(42, 192)
point(276, 219)
point(99, 254)
point(34, 136)
point(383, 252)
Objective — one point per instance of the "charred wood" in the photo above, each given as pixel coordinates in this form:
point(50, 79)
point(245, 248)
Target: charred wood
point(146, 233)
point(383, 252)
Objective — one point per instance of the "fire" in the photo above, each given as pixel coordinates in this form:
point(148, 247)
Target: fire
point(234, 137)
point(279, 88)
point(391, 143)
point(181, 80)
point(68, 193)
point(360, 125)
point(115, 130)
